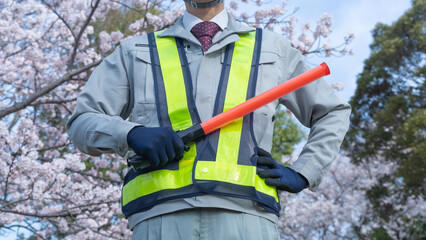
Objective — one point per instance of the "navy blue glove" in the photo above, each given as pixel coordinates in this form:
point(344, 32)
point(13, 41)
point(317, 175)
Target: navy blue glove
point(275, 174)
point(158, 145)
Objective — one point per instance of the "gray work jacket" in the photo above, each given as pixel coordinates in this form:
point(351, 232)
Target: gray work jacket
point(122, 86)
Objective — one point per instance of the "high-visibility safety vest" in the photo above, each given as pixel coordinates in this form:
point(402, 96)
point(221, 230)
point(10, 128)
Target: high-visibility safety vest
point(222, 163)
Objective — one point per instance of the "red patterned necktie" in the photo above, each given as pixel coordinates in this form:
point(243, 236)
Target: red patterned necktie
point(204, 32)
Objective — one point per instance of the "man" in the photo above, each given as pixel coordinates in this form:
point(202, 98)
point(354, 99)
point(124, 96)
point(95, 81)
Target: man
point(225, 186)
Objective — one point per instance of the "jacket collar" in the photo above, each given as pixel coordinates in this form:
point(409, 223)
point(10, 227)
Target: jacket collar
point(229, 34)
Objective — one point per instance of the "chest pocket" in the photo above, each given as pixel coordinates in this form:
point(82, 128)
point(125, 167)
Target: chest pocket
point(268, 70)
point(144, 107)
point(268, 77)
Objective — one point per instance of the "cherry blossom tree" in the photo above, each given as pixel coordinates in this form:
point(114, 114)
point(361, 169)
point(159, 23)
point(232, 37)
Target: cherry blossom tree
point(339, 209)
point(48, 48)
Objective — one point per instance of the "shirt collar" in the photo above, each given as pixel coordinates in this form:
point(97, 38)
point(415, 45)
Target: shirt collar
point(189, 20)
point(229, 34)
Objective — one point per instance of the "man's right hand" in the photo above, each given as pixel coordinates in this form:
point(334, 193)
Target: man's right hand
point(158, 145)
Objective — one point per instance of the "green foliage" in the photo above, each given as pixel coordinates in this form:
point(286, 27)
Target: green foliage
point(388, 121)
point(380, 234)
point(286, 134)
point(388, 106)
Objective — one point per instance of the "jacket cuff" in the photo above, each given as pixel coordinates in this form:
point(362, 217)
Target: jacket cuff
point(122, 147)
point(309, 172)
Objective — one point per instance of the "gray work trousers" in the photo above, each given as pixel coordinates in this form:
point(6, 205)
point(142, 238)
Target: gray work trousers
point(206, 224)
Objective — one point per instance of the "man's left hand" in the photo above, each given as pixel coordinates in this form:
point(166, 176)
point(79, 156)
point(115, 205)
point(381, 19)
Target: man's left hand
point(284, 178)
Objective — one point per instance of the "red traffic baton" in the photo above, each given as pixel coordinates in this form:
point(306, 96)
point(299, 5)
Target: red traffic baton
point(199, 130)
point(264, 98)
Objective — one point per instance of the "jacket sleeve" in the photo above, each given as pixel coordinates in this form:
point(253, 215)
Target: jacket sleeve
point(318, 107)
point(98, 123)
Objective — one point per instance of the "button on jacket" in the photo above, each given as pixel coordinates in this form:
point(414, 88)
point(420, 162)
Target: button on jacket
point(122, 87)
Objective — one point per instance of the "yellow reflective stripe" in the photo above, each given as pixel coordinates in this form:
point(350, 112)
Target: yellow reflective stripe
point(236, 93)
point(236, 174)
point(226, 168)
point(155, 181)
point(180, 118)
point(174, 83)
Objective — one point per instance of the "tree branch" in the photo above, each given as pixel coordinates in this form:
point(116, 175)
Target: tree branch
point(93, 176)
point(53, 147)
point(28, 101)
point(53, 102)
point(35, 214)
point(60, 17)
point(80, 34)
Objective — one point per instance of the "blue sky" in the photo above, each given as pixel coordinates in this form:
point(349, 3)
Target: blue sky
point(349, 16)
point(358, 17)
